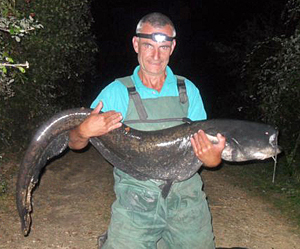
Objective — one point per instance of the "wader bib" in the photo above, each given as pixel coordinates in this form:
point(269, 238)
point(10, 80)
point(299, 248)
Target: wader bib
point(156, 114)
point(141, 217)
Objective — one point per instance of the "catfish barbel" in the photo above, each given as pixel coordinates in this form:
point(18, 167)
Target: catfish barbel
point(165, 155)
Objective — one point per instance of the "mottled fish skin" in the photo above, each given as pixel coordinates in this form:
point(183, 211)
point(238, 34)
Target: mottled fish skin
point(50, 140)
point(163, 155)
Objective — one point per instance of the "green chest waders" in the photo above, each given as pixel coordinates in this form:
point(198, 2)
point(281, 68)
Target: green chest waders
point(141, 218)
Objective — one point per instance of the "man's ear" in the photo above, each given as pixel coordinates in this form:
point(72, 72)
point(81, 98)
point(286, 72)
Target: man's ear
point(135, 44)
point(173, 46)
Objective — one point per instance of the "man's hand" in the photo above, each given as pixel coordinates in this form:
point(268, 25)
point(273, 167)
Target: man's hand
point(96, 124)
point(206, 151)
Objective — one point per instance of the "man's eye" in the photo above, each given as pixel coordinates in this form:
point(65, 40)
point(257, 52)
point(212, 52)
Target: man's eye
point(165, 47)
point(147, 45)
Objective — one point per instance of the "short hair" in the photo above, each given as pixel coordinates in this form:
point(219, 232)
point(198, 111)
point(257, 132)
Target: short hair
point(156, 20)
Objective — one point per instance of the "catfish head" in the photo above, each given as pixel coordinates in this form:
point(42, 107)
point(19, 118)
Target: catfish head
point(247, 141)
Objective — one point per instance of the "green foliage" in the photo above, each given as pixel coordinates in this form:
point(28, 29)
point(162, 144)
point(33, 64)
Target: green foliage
point(264, 59)
point(273, 67)
point(11, 27)
point(60, 56)
point(18, 28)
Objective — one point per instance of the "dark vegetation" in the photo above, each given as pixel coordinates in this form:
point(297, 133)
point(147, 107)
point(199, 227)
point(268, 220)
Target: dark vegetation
point(61, 60)
point(261, 62)
point(248, 62)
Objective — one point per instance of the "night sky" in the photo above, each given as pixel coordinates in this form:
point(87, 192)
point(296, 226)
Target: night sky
point(198, 23)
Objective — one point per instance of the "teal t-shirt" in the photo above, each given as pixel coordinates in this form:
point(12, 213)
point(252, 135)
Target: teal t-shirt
point(115, 95)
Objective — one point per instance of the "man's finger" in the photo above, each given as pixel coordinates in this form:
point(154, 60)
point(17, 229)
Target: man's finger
point(115, 126)
point(196, 143)
point(98, 108)
point(112, 116)
point(222, 140)
point(204, 138)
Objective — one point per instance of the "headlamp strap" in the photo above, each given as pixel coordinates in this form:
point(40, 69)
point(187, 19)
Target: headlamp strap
point(157, 37)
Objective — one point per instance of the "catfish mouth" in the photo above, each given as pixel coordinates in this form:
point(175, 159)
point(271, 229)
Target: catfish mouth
point(273, 141)
point(272, 150)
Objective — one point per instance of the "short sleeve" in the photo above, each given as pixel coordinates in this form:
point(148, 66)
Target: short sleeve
point(114, 97)
point(196, 108)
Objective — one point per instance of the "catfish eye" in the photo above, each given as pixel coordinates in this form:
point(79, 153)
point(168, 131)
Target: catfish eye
point(266, 133)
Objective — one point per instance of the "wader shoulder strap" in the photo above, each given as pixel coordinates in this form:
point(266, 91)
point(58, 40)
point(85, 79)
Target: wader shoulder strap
point(127, 81)
point(182, 90)
point(140, 108)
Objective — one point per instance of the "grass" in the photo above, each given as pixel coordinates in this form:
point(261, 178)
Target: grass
point(284, 193)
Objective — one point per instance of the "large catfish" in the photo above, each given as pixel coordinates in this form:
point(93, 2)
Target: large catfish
point(165, 155)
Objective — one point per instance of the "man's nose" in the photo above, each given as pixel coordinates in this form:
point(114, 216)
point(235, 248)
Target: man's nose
point(156, 53)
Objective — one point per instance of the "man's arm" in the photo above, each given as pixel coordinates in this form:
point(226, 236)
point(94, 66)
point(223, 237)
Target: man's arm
point(93, 126)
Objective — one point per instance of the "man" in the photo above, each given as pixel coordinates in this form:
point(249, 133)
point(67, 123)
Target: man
point(154, 98)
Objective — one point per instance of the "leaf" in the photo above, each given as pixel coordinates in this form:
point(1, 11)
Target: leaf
point(12, 31)
point(22, 70)
point(4, 70)
point(9, 59)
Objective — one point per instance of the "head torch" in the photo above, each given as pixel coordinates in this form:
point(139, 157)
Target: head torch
point(157, 37)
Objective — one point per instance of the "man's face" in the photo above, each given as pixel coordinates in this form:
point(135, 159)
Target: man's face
point(154, 56)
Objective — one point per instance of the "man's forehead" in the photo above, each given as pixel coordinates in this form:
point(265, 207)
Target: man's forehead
point(147, 28)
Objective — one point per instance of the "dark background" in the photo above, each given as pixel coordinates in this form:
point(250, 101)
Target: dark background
point(198, 25)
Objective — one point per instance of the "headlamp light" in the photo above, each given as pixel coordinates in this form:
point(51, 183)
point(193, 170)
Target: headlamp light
point(157, 37)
